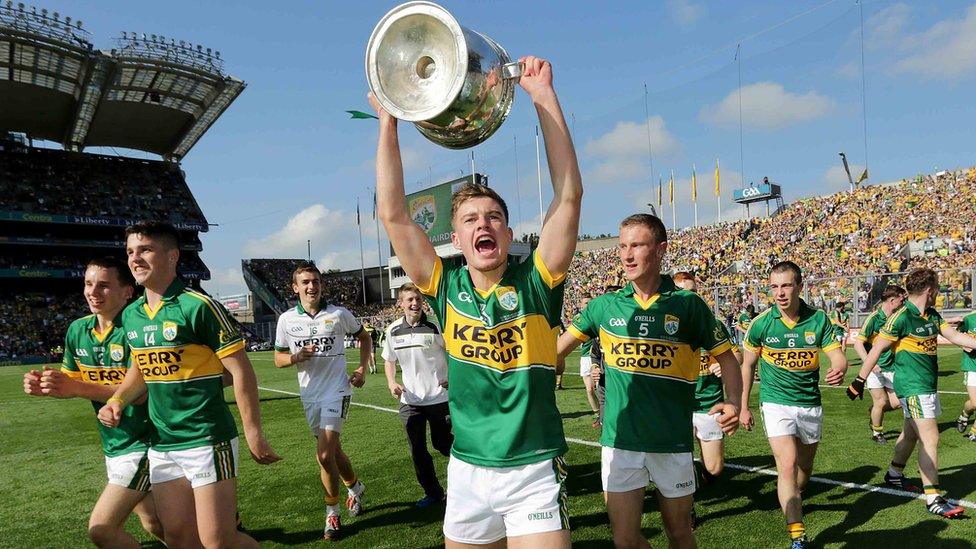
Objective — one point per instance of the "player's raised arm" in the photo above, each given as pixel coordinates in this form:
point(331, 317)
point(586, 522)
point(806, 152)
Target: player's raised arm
point(557, 241)
point(413, 249)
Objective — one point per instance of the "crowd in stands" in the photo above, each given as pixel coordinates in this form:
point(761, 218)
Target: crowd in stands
point(43, 181)
point(845, 243)
point(34, 324)
point(28, 258)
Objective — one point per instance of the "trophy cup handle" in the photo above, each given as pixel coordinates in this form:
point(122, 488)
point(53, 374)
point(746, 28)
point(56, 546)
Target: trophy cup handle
point(513, 70)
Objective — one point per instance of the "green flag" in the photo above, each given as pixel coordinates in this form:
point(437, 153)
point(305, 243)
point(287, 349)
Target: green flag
point(360, 115)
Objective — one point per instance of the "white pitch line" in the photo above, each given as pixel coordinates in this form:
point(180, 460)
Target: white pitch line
point(756, 470)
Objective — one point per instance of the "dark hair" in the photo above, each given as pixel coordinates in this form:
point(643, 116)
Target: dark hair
point(476, 190)
point(892, 291)
point(652, 222)
point(788, 267)
point(305, 268)
point(112, 263)
point(156, 230)
point(681, 276)
point(920, 280)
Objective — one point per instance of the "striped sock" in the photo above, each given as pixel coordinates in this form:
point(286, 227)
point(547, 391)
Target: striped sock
point(931, 492)
point(796, 530)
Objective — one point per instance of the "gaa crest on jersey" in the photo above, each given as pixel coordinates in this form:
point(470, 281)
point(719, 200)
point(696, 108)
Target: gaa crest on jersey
point(169, 330)
point(810, 337)
point(423, 211)
point(116, 352)
point(507, 297)
point(671, 324)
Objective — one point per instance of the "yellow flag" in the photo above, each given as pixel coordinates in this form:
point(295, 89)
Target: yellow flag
point(694, 185)
point(718, 187)
point(671, 189)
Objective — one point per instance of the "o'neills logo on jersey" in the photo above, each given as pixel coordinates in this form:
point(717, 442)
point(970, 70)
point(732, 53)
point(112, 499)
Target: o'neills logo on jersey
point(179, 363)
point(423, 211)
point(116, 352)
point(518, 343)
point(169, 330)
point(797, 360)
point(650, 357)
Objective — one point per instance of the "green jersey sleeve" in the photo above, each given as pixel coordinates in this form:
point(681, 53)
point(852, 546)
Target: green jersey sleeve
point(825, 339)
point(213, 327)
point(68, 362)
point(712, 337)
point(584, 327)
point(754, 336)
point(894, 329)
point(937, 319)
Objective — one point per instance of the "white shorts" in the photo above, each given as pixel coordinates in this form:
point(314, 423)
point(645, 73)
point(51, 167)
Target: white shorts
point(129, 471)
point(626, 470)
point(486, 504)
point(969, 379)
point(706, 427)
point(879, 380)
point(585, 364)
point(201, 465)
point(326, 415)
point(801, 422)
point(921, 406)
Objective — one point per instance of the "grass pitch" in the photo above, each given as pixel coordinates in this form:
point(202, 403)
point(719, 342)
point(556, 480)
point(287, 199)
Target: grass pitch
point(53, 471)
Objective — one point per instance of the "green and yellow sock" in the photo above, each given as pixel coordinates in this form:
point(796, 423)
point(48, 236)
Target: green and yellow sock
point(796, 530)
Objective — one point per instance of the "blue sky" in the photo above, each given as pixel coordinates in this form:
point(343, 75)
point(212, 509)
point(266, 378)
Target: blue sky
point(285, 164)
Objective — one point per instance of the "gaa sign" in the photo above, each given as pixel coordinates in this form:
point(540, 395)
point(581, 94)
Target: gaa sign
point(756, 193)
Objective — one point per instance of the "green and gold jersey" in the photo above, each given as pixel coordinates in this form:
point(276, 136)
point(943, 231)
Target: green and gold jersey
point(968, 326)
point(916, 347)
point(869, 332)
point(584, 349)
point(708, 389)
point(744, 320)
point(651, 351)
point(93, 357)
point(501, 356)
point(789, 354)
point(178, 347)
point(839, 319)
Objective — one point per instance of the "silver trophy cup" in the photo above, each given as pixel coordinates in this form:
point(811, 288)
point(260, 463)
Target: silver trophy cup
point(455, 84)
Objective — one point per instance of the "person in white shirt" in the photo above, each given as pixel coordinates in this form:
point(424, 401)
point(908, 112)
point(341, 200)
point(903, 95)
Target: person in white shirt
point(310, 336)
point(417, 344)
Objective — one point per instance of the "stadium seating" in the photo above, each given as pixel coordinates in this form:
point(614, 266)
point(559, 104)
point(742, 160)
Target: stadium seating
point(47, 181)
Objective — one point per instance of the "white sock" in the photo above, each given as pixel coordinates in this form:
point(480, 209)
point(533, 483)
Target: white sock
point(929, 498)
point(356, 489)
point(895, 472)
point(331, 510)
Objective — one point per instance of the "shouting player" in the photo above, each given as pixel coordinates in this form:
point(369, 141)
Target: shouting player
point(913, 334)
point(652, 333)
point(96, 357)
point(310, 336)
point(181, 342)
point(786, 340)
point(881, 379)
point(500, 319)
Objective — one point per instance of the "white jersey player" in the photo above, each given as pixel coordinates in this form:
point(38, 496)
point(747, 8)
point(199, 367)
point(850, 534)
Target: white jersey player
point(311, 337)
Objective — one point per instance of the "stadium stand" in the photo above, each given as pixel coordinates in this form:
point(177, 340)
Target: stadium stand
point(59, 208)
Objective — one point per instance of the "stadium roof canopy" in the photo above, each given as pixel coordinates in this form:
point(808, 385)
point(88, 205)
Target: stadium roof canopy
point(150, 93)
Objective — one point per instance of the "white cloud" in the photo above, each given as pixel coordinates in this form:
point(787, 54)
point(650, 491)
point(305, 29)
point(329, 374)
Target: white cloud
point(685, 12)
point(766, 106)
point(887, 28)
point(225, 281)
point(835, 178)
point(947, 50)
point(621, 153)
point(332, 230)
